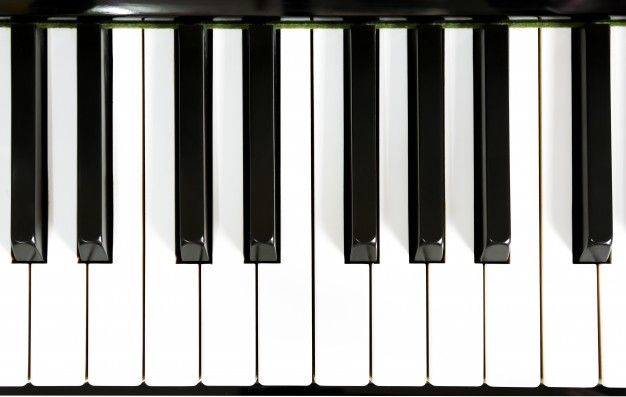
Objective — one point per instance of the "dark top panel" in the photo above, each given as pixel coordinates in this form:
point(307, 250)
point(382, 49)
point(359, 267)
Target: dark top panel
point(269, 8)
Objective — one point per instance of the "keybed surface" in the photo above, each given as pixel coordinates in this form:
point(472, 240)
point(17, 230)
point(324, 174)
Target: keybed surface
point(168, 9)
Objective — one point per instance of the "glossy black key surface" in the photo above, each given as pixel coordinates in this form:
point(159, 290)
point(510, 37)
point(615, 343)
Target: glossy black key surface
point(426, 144)
point(261, 132)
point(94, 109)
point(492, 194)
point(592, 217)
point(361, 144)
point(29, 190)
point(193, 133)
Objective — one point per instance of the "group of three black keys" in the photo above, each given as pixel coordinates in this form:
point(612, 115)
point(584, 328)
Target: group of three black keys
point(591, 194)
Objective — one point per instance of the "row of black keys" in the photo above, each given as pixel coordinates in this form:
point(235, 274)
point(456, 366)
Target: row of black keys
point(592, 214)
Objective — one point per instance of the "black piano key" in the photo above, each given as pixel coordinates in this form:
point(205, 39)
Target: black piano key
point(261, 132)
point(426, 144)
point(492, 192)
point(592, 218)
point(361, 144)
point(193, 134)
point(95, 186)
point(29, 190)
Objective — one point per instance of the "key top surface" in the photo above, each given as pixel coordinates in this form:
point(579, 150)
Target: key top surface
point(341, 289)
point(569, 292)
point(591, 144)
point(14, 286)
point(95, 196)
point(455, 288)
point(115, 350)
point(284, 289)
point(29, 211)
point(194, 72)
point(59, 287)
point(426, 144)
point(361, 142)
point(261, 129)
point(398, 287)
point(172, 341)
point(612, 276)
point(228, 350)
point(492, 196)
point(512, 306)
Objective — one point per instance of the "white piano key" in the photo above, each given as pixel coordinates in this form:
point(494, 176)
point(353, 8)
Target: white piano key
point(341, 289)
point(285, 290)
point(398, 287)
point(115, 289)
point(512, 307)
point(455, 288)
point(14, 287)
point(569, 293)
point(612, 276)
point(228, 284)
point(172, 342)
point(59, 287)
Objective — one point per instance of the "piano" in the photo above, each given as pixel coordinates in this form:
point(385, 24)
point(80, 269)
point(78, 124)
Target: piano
point(333, 197)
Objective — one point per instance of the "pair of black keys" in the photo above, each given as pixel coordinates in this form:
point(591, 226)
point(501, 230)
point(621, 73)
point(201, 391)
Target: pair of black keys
point(29, 204)
point(592, 214)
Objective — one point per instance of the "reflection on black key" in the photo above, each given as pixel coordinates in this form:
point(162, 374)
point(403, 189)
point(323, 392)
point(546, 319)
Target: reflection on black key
point(492, 196)
point(261, 132)
point(193, 134)
point(426, 144)
point(29, 191)
point(361, 144)
point(95, 186)
point(591, 144)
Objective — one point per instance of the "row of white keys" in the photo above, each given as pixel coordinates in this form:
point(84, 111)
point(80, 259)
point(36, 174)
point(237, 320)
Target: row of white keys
point(512, 304)
point(512, 323)
point(341, 289)
point(172, 340)
point(58, 311)
point(228, 284)
point(285, 289)
point(455, 288)
point(398, 287)
point(569, 290)
point(58, 287)
point(228, 332)
point(14, 285)
point(612, 276)
point(115, 326)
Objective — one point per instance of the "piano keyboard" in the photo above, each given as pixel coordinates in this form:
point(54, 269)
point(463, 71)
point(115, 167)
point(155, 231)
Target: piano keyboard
point(313, 203)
